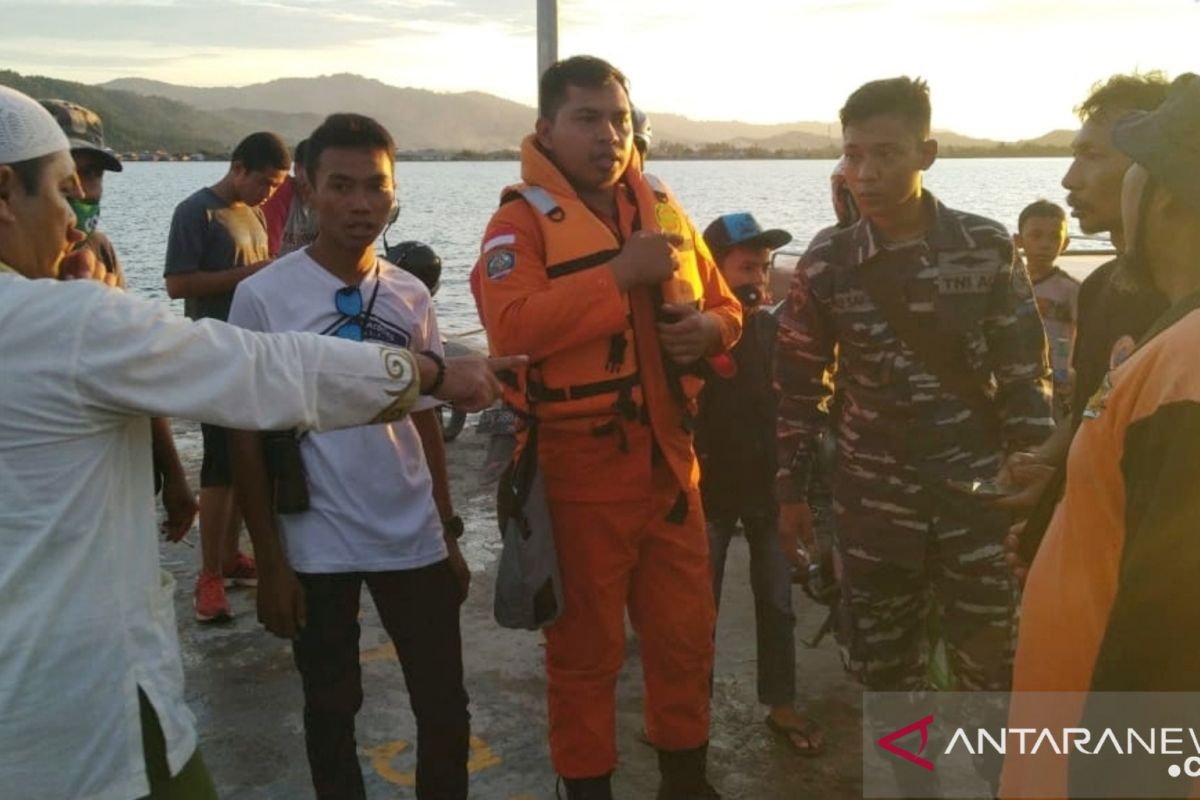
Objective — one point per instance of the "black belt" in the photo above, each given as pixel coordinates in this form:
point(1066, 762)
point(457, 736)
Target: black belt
point(582, 263)
point(544, 394)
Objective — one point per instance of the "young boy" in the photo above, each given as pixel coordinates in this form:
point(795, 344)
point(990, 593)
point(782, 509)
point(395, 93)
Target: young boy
point(1042, 234)
point(735, 440)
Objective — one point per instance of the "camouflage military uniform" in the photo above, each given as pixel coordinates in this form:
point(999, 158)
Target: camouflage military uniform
point(908, 543)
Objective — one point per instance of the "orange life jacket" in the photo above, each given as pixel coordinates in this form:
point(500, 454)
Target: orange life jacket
point(601, 377)
point(619, 377)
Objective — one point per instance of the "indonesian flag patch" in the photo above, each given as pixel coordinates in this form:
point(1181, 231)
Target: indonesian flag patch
point(498, 237)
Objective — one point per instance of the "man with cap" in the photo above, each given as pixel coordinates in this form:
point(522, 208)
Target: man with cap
point(93, 158)
point(85, 133)
point(91, 683)
point(1111, 601)
point(735, 442)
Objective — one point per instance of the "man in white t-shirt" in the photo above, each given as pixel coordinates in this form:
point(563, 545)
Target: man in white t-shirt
point(379, 509)
point(91, 684)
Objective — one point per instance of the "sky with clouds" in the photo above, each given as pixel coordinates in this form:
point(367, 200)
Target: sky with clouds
point(998, 68)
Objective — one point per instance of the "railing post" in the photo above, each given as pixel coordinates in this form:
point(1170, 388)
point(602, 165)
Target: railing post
point(547, 35)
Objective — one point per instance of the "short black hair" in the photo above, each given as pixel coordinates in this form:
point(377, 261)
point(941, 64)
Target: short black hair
point(1042, 209)
point(29, 172)
point(1136, 91)
point(356, 131)
point(904, 96)
point(588, 72)
point(300, 151)
point(262, 150)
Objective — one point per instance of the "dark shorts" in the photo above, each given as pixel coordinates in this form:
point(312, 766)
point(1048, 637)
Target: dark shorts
point(214, 469)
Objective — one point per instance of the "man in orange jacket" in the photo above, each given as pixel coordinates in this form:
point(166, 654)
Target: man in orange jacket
point(595, 271)
point(1111, 609)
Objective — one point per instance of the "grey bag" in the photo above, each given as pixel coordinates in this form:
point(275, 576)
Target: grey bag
point(529, 592)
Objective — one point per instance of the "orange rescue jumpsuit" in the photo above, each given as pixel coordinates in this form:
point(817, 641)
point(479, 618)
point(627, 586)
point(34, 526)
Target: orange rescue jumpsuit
point(616, 454)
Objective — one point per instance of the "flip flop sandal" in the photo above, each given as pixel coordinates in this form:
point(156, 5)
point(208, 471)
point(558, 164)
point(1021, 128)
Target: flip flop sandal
point(807, 730)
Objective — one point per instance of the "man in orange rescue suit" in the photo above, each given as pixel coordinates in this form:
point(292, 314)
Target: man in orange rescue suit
point(594, 269)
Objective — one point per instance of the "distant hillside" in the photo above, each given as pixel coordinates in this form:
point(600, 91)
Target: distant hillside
point(142, 114)
point(137, 122)
point(1058, 138)
point(421, 119)
point(682, 130)
point(417, 119)
point(789, 140)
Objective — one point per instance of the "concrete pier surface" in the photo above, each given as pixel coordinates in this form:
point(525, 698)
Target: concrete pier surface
point(245, 692)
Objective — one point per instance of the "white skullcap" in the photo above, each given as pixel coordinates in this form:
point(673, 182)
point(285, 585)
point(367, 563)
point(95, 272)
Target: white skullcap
point(26, 129)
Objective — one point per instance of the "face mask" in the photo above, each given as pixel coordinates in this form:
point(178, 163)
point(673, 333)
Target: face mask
point(748, 295)
point(87, 215)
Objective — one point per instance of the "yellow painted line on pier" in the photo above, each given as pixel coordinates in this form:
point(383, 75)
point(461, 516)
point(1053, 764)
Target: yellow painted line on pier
point(382, 757)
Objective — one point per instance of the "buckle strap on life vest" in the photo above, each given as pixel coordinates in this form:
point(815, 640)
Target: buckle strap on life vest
point(617, 344)
point(627, 410)
point(625, 405)
point(541, 393)
point(580, 264)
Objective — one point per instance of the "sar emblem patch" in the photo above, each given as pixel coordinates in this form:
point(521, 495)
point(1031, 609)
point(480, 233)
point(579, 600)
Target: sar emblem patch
point(668, 218)
point(500, 264)
point(1122, 349)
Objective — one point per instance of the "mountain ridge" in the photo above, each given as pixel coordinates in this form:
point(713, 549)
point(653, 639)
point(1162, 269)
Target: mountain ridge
point(140, 114)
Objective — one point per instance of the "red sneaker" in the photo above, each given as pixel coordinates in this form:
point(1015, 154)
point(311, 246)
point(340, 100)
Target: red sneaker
point(209, 599)
point(244, 571)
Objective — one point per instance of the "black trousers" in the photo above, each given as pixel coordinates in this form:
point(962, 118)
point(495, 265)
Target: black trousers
point(419, 610)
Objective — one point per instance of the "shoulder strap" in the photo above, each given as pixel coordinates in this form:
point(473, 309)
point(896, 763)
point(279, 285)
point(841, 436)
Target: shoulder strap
point(538, 198)
point(941, 352)
point(657, 185)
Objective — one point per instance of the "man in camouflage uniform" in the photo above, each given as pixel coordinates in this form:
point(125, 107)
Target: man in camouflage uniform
point(916, 553)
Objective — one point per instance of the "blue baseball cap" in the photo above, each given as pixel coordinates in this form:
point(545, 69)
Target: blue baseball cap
point(732, 230)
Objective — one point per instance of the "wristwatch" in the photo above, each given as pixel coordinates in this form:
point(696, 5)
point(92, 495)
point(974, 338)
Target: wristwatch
point(453, 526)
